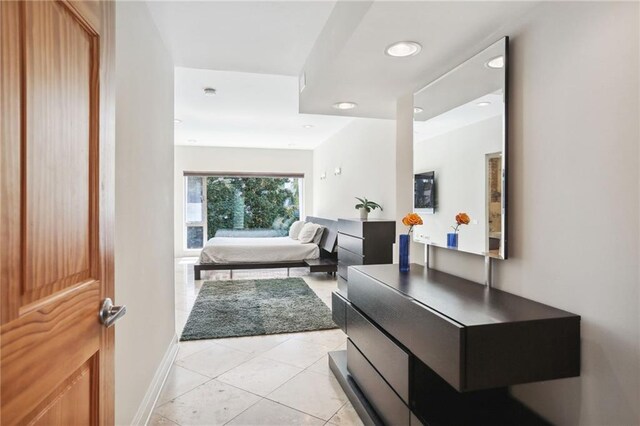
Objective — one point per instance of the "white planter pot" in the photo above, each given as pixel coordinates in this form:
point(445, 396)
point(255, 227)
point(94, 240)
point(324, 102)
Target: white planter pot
point(364, 214)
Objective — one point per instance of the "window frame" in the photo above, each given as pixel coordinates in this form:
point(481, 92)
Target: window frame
point(205, 175)
point(203, 222)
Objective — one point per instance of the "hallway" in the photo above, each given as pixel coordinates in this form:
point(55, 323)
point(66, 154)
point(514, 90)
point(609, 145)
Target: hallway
point(258, 380)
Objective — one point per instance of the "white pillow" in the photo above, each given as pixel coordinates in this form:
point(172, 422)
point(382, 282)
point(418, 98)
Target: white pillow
point(308, 232)
point(295, 229)
point(318, 237)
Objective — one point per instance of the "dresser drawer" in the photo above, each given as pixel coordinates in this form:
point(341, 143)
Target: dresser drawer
point(349, 258)
point(339, 310)
point(352, 244)
point(343, 288)
point(391, 361)
point(387, 404)
point(351, 227)
point(430, 336)
point(342, 271)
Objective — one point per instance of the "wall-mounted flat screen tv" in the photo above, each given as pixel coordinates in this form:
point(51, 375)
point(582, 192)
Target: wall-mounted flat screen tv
point(424, 193)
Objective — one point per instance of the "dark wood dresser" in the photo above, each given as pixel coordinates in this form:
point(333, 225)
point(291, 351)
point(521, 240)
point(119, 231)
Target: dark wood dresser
point(360, 242)
point(430, 348)
point(363, 242)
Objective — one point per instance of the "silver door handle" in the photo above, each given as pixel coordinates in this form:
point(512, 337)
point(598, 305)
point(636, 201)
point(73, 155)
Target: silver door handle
point(109, 313)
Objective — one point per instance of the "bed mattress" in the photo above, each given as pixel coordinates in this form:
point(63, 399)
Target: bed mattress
point(257, 250)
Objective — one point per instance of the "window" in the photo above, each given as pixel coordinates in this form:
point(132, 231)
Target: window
point(195, 212)
point(240, 206)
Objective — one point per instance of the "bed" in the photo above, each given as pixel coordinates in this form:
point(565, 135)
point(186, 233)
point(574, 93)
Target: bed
point(259, 250)
point(222, 253)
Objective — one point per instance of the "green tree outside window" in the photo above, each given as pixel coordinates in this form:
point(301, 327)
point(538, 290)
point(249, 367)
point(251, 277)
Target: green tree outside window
point(252, 203)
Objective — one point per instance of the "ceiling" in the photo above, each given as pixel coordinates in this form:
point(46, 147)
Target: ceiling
point(270, 37)
point(253, 53)
point(468, 81)
point(461, 116)
point(248, 110)
point(348, 62)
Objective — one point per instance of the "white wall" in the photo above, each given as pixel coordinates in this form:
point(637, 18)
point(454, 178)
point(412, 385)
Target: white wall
point(404, 173)
point(144, 270)
point(365, 150)
point(574, 199)
point(212, 159)
point(458, 159)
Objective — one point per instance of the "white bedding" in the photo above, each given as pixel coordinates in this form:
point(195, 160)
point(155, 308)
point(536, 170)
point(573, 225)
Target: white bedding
point(257, 250)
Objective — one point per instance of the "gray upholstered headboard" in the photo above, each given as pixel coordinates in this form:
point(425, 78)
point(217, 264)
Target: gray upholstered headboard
point(330, 236)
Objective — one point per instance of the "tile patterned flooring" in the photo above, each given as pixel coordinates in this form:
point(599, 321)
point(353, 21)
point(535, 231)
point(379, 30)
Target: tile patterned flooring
point(279, 380)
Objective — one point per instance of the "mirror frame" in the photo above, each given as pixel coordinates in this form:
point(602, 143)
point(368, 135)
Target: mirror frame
point(505, 153)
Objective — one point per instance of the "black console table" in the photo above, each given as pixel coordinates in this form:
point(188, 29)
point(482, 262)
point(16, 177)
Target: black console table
point(430, 348)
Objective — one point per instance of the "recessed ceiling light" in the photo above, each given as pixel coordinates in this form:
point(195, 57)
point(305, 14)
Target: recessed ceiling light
point(483, 104)
point(345, 105)
point(209, 91)
point(403, 48)
point(417, 110)
point(496, 63)
point(177, 121)
point(308, 126)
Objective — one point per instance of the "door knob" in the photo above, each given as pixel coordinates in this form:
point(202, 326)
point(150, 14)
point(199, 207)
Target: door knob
point(109, 313)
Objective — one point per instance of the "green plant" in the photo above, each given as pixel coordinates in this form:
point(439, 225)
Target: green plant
point(367, 205)
point(251, 203)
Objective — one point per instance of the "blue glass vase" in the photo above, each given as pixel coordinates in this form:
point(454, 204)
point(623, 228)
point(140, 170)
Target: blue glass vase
point(452, 240)
point(404, 253)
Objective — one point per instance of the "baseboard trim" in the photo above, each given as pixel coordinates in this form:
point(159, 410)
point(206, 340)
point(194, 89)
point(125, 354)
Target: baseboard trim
point(153, 391)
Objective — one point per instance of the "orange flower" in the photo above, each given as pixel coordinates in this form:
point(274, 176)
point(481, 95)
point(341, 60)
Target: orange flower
point(462, 218)
point(411, 220)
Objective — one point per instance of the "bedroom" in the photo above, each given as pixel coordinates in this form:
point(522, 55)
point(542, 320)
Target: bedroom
point(211, 182)
point(204, 190)
point(365, 153)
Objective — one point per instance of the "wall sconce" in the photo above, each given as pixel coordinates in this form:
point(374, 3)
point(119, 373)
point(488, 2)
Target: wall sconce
point(323, 176)
point(337, 171)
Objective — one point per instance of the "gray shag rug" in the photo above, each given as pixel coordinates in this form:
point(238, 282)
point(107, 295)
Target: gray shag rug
point(255, 307)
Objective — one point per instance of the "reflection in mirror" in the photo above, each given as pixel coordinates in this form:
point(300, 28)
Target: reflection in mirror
point(459, 156)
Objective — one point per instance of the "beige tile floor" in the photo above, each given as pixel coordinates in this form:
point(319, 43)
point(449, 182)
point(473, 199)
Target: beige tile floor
point(280, 380)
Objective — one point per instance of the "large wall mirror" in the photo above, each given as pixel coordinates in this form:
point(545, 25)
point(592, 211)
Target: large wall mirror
point(459, 156)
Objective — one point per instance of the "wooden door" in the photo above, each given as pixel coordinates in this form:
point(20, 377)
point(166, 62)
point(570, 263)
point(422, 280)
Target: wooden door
point(56, 212)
